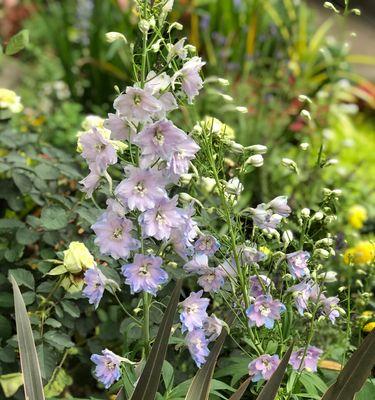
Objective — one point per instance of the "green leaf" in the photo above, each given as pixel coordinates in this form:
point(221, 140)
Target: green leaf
point(54, 218)
point(23, 277)
point(200, 386)
point(29, 359)
point(9, 224)
point(355, 372)
point(168, 375)
point(58, 339)
point(270, 389)
point(47, 172)
point(59, 270)
point(148, 382)
point(71, 308)
point(14, 253)
point(26, 236)
point(5, 328)
point(23, 182)
point(241, 390)
point(10, 383)
point(59, 381)
point(47, 360)
point(17, 42)
point(367, 392)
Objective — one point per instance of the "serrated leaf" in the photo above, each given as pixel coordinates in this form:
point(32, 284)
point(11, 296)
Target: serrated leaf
point(71, 308)
point(271, 388)
point(17, 42)
point(47, 360)
point(47, 172)
point(59, 339)
point(355, 372)
point(59, 381)
point(26, 236)
point(29, 360)
point(148, 382)
point(200, 386)
point(54, 218)
point(23, 277)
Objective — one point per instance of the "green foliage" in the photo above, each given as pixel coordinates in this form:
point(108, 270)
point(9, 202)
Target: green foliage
point(17, 42)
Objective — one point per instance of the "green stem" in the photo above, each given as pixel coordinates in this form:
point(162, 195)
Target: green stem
point(146, 323)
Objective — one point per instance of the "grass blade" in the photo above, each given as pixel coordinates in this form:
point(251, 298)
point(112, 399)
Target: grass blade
point(148, 382)
point(355, 372)
point(270, 389)
point(200, 386)
point(241, 390)
point(29, 360)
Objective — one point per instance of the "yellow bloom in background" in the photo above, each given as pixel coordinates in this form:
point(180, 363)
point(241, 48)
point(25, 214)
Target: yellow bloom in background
point(357, 215)
point(10, 101)
point(362, 253)
point(216, 127)
point(369, 327)
point(78, 258)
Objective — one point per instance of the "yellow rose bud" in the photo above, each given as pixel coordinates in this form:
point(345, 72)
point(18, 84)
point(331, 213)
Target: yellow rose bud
point(369, 327)
point(78, 258)
point(357, 215)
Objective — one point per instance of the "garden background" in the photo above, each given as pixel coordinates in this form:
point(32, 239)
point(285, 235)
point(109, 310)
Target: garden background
point(301, 81)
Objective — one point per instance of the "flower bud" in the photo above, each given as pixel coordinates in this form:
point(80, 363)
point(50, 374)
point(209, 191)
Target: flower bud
point(318, 216)
point(144, 26)
point(330, 218)
point(175, 25)
point(185, 179)
point(256, 160)
point(304, 146)
point(287, 236)
point(242, 109)
point(113, 36)
point(325, 241)
point(356, 11)
point(208, 183)
point(77, 258)
point(302, 98)
point(329, 276)
point(305, 212)
point(234, 186)
point(167, 7)
point(330, 6)
point(287, 162)
point(331, 161)
point(321, 253)
point(236, 147)
point(307, 315)
point(257, 149)
point(305, 114)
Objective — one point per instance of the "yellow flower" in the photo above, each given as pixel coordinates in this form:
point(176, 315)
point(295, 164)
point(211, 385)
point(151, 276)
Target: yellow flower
point(216, 127)
point(78, 258)
point(367, 314)
point(362, 253)
point(10, 101)
point(265, 250)
point(357, 215)
point(369, 327)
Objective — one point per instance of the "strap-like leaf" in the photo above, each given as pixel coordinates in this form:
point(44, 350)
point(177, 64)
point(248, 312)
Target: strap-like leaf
point(355, 372)
point(241, 390)
point(200, 386)
point(29, 360)
point(270, 389)
point(148, 382)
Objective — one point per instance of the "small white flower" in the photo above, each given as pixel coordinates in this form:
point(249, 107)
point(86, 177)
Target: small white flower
point(287, 236)
point(304, 146)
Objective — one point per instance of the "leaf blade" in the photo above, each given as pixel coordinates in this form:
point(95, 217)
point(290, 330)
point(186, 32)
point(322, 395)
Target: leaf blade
point(356, 370)
point(270, 389)
point(148, 382)
point(29, 360)
point(241, 390)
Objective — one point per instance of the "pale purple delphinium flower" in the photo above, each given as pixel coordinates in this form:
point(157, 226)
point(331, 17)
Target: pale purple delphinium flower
point(297, 263)
point(97, 150)
point(190, 79)
point(159, 221)
point(119, 127)
point(193, 311)
point(107, 369)
point(250, 254)
point(197, 345)
point(144, 274)
point(178, 49)
point(309, 361)
point(259, 285)
point(91, 182)
point(137, 105)
point(116, 207)
point(264, 218)
point(212, 327)
point(141, 189)
point(180, 161)
point(263, 367)
point(211, 280)
point(301, 294)
point(113, 235)
point(330, 308)
point(160, 140)
point(229, 267)
point(206, 244)
point(95, 282)
point(264, 311)
point(279, 205)
point(197, 265)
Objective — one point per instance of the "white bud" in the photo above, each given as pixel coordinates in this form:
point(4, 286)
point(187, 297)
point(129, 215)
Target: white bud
point(236, 147)
point(185, 179)
point(257, 148)
point(321, 253)
point(304, 146)
point(226, 97)
point(156, 46)
point(113, 36)
point(168, 6)
point(305, 114)
point(318, 216)
point(287, 236)
point(256, 160)
point(331, 161)
point(356, 11)
point(330, 218)
point(329, 277)
point(223, 82)
point(337, 192)
point(144, 26)
point(175, 25)
point(307, 315)
point(234, 186)
point(325, 241)
point(302, 98)
point(152, 22)
point(287, 162)
point(305, 212)
point(242, 110)
point(208, 184)
point(341, 289)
